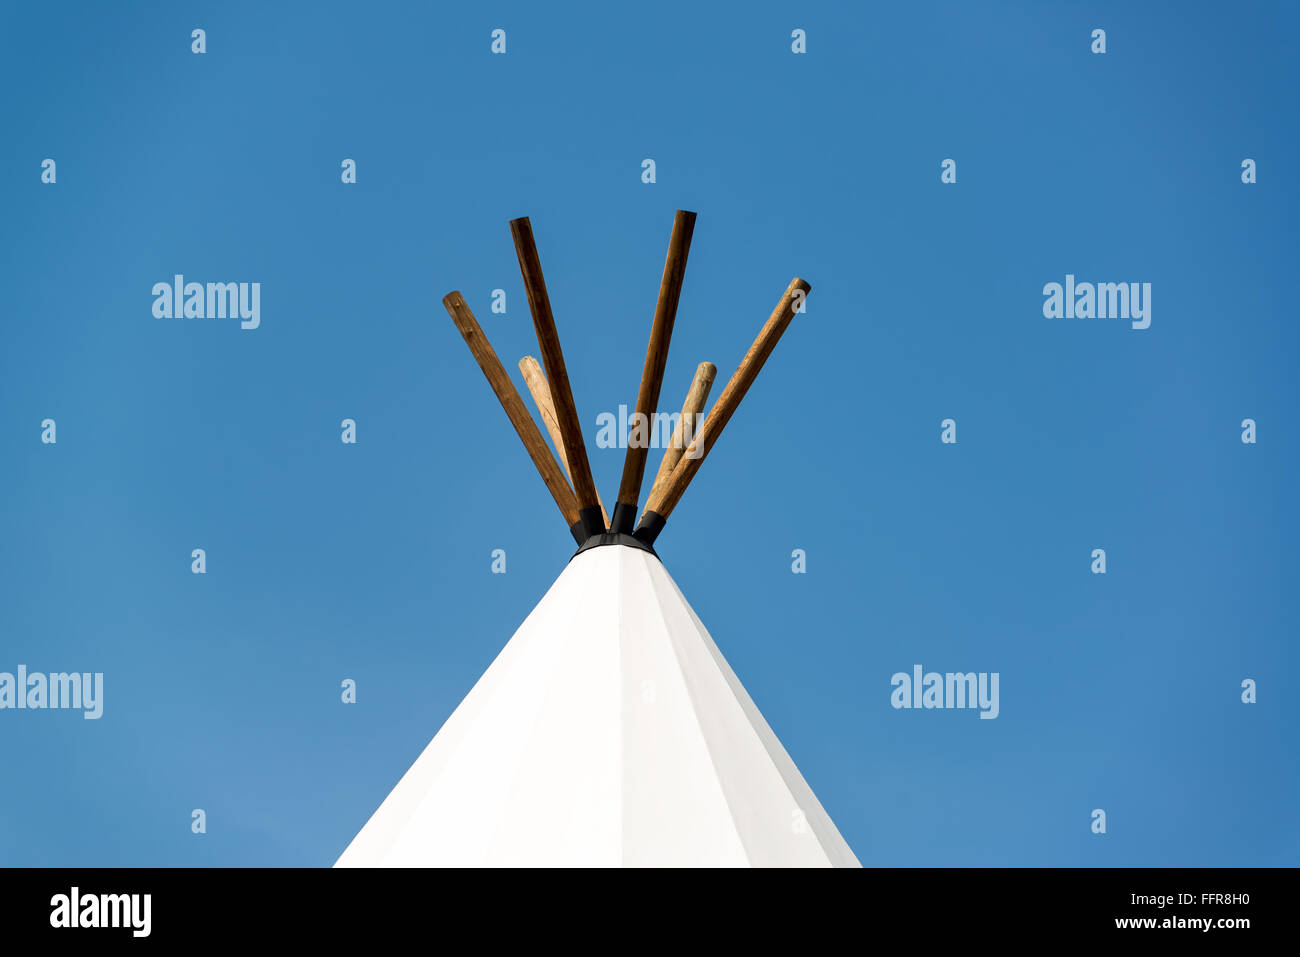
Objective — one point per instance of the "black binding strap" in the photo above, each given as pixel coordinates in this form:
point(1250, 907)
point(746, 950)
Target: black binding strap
point(592, 520)
point(578, 532)
point(652, 523)
point(613, 538)
point(622, 519)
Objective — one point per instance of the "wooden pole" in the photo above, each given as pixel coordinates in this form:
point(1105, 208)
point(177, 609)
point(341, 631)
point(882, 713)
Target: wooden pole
point(548, 340)
point(696, 396)
point(538, 388)
point(514, 406)
point(652, 374)
point(658, 509)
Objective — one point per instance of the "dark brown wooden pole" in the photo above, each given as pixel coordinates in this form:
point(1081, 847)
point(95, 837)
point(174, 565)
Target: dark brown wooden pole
point(652, 374)
point(548, 341)
point(514, 406)
point(658, 509)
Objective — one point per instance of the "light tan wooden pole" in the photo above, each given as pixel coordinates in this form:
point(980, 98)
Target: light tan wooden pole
point(652, 374)
point(696, 396)
point(506, 393)
point(658, 509)
point(538, 388)
point(548, 341)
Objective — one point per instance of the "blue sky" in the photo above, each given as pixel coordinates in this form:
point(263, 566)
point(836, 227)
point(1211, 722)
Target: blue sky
point(372, 561)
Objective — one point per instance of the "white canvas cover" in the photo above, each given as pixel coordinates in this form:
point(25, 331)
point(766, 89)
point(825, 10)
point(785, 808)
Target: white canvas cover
point(608, 732)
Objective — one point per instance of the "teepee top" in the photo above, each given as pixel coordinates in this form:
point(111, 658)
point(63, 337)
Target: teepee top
point(580, 503)
point(610, 729)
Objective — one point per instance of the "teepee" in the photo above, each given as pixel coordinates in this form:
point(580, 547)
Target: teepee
point(610, 730)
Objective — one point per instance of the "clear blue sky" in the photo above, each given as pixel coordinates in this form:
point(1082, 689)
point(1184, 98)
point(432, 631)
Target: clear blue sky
point(372, 561)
